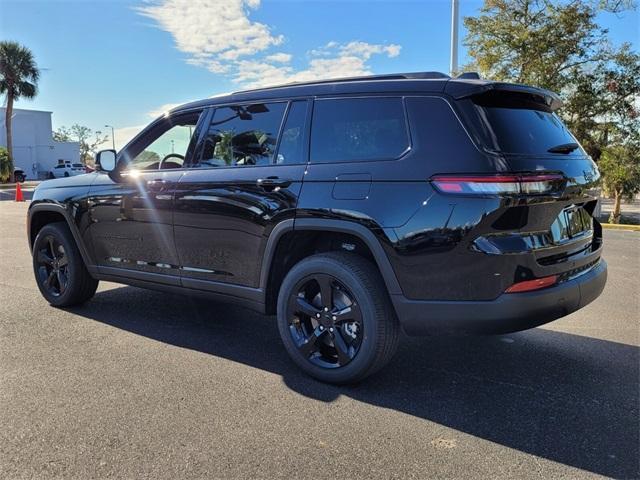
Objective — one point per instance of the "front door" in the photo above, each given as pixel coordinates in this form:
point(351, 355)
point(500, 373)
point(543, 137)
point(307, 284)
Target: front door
point(245, 178)
point(131, 219)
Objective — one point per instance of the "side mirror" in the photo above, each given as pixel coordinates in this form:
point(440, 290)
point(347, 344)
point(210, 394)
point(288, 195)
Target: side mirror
point(106, 160)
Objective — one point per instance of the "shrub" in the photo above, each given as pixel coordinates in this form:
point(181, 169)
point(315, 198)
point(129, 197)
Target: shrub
point(5, 165)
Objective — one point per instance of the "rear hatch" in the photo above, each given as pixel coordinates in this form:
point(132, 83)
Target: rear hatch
point(519, 125)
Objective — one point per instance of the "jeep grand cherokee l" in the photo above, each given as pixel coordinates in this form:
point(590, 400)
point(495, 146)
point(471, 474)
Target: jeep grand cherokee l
point(350, 208)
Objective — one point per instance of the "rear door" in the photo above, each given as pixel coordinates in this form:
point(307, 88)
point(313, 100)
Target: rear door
point(245, 179)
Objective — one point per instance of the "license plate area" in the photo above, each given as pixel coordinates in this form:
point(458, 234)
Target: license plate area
point(572, 222)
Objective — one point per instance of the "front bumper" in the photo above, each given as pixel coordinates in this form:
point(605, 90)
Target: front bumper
point(510, 312)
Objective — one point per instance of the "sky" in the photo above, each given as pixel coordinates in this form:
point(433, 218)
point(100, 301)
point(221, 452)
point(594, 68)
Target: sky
point(122, 63)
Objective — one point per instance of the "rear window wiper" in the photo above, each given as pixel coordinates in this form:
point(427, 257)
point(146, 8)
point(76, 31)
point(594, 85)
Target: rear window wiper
point(564, 148)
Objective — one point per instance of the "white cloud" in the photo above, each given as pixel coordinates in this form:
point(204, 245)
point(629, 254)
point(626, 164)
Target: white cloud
point(212, 30)
point(259, 73)
point(334, 60)
point(279, 57)
point(219, 36)
point(365, 50)
point(162, 109)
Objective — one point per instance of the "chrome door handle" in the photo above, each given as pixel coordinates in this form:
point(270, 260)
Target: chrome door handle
point(273, 182)
point(157, 184)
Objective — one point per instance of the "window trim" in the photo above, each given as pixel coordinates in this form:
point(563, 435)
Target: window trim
point(401, 155)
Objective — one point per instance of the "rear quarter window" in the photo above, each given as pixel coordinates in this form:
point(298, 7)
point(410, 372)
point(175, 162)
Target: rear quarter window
point(439, 140)
point(358, 129)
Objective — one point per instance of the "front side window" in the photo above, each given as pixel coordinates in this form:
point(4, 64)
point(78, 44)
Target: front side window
point(166, 145)
point(242, 135)
point(358, 129)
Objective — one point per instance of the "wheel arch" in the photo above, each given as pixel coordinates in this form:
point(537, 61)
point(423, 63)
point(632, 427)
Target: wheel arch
point(283, 250)
point(42, 214)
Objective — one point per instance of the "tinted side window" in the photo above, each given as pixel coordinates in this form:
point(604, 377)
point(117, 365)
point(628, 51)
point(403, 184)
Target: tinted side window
point(439, 139)
point(358, 129)
point(164, 145)
point(292, 141)
point(242, 135)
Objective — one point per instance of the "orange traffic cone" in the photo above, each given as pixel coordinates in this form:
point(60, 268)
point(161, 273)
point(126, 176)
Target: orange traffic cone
point(19, 196)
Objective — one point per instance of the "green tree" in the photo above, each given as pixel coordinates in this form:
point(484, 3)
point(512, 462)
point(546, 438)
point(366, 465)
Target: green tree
point(537, 42)
point(88, 139)
point(19, 76)
point(600, 106)
point(620, 165)
point(6, 167)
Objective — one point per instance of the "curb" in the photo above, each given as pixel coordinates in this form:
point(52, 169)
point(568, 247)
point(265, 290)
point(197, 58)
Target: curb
point(620, 226)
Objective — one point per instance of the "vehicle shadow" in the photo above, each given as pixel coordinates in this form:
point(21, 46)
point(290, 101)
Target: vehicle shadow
point(563, 397)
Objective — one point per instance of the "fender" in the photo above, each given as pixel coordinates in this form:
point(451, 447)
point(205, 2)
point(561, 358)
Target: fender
point(57, 208)
point(331, 225)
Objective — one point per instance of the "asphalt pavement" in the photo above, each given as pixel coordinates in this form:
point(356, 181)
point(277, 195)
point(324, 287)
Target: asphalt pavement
point(9, 194)
point(140, 384)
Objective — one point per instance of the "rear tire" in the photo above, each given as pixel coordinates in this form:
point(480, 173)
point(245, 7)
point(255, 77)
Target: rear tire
point(335, 318)
point(60, 272)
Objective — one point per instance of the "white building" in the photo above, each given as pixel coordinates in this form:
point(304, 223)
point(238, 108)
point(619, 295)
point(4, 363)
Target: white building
point(34, 149)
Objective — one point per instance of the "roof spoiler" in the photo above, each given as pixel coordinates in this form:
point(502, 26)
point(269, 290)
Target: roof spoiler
point(469, 88)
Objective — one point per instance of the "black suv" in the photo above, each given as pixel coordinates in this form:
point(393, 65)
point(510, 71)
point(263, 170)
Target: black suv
point(352, 209)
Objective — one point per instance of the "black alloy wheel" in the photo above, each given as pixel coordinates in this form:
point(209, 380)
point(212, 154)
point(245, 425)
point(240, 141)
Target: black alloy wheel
point(61, 275)
point(325, 321)
point(335, 317)
point(52, 266)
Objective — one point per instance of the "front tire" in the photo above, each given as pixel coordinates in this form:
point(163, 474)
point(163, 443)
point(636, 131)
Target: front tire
point(60, 272)
point(335, 318)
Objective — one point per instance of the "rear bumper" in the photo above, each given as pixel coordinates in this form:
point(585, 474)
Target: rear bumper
point(508, 313)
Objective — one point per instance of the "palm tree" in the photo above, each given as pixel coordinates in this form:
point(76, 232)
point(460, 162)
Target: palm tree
point(18, 79)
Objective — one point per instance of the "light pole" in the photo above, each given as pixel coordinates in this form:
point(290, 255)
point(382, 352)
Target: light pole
point(113, 139)
point(453, 65)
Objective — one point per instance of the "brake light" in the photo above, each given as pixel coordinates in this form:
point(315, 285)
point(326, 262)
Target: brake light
point(499, 184)
point(535, 284)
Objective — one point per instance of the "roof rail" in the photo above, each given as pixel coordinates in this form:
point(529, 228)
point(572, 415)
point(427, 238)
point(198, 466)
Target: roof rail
point(390, 76)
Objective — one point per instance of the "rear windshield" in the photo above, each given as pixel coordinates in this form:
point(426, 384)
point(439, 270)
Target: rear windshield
point(521, 129)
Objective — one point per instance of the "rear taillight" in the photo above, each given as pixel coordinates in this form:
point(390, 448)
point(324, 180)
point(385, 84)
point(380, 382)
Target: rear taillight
point(528, 184)
point(535, 284)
